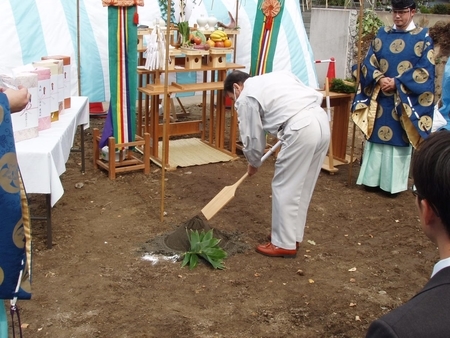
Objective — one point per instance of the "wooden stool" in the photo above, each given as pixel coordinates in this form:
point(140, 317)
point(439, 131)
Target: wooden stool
point(127, 161)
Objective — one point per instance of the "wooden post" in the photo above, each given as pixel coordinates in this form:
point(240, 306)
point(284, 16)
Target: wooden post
point(358, 74)
point(331, 167)
point(166, 118)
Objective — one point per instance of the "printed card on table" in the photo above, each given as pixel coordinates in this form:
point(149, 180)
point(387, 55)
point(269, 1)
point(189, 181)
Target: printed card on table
point(26, 122)
point(56, 75)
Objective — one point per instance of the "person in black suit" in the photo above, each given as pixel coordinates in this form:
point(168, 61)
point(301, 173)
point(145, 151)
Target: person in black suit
point(427, 313)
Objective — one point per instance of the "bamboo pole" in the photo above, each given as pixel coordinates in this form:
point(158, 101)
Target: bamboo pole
point(78, 49)
point(330, 147)
point(166, 119)
point(358, 74)
point(236, 36)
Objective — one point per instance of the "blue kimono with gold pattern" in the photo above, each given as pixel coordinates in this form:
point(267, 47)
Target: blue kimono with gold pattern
point(15, 237)
point(404, 116)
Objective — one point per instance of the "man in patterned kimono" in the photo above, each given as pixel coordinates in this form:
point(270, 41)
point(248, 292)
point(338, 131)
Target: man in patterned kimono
point(395, 99)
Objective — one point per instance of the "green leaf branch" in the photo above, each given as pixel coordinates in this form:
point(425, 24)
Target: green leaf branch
point(204, 245)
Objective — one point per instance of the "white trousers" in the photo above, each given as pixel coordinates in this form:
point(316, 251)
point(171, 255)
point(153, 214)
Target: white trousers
point(305, 140)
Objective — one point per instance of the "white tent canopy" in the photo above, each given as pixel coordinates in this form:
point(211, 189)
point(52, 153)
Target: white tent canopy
point(32, 29)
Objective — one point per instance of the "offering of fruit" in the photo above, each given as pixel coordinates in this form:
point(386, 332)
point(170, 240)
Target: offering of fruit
point(227, 43)
point(218, 36)
point(219, 44)
point(198, 38)
point(211, 43)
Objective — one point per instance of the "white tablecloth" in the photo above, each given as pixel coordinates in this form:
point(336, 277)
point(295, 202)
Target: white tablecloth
point(43, 159)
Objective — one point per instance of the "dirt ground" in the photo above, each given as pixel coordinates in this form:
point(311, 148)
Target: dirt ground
point(363, 254)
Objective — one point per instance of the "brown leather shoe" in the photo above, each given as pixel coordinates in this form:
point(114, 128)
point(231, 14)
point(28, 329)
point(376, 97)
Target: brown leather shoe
point(273, 251)
point(297, 244)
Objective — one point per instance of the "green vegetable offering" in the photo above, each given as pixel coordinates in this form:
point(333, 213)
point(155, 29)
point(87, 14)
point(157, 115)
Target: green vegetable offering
point(204, 245)
point(184, 30)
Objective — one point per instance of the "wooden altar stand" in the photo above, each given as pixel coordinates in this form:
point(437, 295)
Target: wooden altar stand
point(127, 161)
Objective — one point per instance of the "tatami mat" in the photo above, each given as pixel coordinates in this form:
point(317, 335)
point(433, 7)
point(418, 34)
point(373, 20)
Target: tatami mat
point(192, 151)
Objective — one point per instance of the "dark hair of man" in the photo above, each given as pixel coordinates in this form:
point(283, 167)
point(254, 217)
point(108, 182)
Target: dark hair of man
point(236, 76)
point(431, 174)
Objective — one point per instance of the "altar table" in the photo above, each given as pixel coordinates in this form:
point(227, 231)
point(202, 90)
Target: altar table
point(43, 159)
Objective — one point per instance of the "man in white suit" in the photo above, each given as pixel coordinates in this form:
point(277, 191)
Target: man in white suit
point(278, 103)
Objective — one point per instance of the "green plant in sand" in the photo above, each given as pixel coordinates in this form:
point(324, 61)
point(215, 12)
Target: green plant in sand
point(204, 245)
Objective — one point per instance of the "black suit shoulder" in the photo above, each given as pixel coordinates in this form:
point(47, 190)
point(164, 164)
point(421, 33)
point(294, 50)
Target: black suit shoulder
point(425, 315)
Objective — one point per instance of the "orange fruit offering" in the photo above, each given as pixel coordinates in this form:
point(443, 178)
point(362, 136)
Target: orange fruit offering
point(227, 43)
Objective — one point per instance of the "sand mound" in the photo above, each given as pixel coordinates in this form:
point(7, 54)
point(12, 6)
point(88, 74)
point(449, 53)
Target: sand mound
point(177, 242)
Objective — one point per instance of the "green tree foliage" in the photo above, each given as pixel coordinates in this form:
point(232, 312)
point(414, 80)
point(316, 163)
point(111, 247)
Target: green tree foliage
point(370, 24)
point(440, 9)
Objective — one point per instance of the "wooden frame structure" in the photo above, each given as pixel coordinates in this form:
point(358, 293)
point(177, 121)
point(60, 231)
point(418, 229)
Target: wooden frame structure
point(127, 161)
point(148, 110)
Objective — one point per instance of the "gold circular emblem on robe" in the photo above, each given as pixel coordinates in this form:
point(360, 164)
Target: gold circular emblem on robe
point(425, 123)
point(377, 44)
point(374, 61)
point(430, 56)
point(364, 71)
point(407, 109)
point(403, 67)
point(377, 73)
point(394, 114)
point(19, 234)
point(379, 111)
point(397, 46)
point(384, 65)
point(420, 75)
point(368, 90)
point(426, 99)
point(418, 48)
point(9, 177)
point(385, 133)
point(404, 89)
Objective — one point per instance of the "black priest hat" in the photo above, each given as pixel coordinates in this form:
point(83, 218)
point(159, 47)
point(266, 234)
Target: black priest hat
point(403, 4)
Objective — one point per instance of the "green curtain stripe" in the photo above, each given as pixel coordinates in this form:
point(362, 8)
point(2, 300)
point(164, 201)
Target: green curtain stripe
point(132, 74)
point(113, 24)
point(257, 39)
point(129, 83)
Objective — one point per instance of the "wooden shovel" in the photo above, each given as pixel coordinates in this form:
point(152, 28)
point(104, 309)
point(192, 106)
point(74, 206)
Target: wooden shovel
point(227, 193)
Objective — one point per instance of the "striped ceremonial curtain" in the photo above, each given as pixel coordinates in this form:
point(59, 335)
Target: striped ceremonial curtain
point(122, 45)
point(264, 40)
